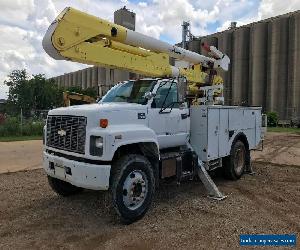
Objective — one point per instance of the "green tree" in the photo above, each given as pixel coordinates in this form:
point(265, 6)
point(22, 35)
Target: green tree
point(31, 93)
point(19, 90)
point(272, 119)
point(46, 94)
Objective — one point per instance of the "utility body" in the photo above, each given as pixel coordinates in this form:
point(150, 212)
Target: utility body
point(145, 130)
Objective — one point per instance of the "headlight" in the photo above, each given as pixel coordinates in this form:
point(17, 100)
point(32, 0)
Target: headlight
point(96, 145)
point(99, 142)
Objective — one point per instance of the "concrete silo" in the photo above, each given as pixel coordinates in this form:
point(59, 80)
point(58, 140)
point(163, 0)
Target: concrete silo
point(240, 66)
point(101, 81)
point(225, 45)
point(70, 79)
point(194, 45)
point(84, 78)
point(65, 80)
point(293, 91)
point(77, 78)
point(258, 64)
point(88, 77)
point(277, 69)
point(94, 82)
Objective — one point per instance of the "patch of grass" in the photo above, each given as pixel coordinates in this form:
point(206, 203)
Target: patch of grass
point(284, 130)
point(12, 127)
point(20, 138)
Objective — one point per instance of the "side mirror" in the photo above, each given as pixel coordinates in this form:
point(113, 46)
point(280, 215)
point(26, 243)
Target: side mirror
point(182, 89)
point(149, 95)
point(182, 105)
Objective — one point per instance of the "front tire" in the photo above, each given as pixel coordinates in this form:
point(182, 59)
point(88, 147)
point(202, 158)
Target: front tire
point(235, 163)
point(132, 187)
point(63, 188)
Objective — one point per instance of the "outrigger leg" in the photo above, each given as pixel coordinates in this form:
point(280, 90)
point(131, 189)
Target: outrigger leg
point(212, 189)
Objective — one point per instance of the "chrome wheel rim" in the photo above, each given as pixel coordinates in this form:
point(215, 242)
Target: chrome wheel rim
point(135, 189)
point(239, 161)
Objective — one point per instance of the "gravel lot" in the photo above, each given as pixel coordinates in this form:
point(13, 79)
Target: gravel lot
point(32, 216)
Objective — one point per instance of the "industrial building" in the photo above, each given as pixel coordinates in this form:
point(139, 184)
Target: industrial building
point(264, 71)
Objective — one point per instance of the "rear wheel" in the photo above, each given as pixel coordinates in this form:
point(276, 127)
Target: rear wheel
point(132, 187)
point(63, 188)
point(235, 163)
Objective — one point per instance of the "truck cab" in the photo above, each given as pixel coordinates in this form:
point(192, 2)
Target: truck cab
point(137, 111)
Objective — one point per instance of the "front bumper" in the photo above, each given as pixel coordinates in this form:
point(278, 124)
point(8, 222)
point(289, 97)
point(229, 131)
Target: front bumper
point(80, 174)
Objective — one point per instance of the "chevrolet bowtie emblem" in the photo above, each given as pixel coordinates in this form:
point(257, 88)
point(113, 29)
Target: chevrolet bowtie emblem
point(61, 132)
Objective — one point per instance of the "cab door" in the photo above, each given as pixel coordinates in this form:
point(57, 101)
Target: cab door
point(168, 118)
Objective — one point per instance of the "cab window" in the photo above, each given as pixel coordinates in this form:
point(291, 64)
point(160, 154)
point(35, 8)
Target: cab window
point(131, 91)
point(168, 89)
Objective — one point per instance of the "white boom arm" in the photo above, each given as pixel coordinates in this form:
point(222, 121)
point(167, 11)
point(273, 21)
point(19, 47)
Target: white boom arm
point(139, 40)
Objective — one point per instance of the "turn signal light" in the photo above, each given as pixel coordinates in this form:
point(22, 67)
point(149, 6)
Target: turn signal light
point(103, 123)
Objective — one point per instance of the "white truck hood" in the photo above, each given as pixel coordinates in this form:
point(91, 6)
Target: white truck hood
point(117, 113)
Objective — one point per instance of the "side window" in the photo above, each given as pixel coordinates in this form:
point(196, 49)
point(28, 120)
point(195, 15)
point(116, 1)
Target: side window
point(168, 89)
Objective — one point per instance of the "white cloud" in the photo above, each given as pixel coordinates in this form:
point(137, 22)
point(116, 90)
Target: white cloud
point(24, 22)
point(269, 8)
point(164, 17)
point(226, 24)
point(143, 4)
point(21, 40)
point(15, 12)
point(266, 9)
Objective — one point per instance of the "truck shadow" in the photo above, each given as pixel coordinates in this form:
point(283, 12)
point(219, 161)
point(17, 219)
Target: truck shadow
point(96, 206)
point(88, 219)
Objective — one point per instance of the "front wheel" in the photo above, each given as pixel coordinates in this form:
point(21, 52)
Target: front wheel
point(132, 187)
point(235, 163)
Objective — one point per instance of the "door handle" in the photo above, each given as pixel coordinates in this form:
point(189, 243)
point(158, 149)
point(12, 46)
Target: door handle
point(184, 116)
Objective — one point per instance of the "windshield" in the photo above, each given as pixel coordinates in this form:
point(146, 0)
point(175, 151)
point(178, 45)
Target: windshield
point(131, 91)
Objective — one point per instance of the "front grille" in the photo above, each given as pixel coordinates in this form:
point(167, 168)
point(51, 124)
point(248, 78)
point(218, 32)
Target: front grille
point(66, 132)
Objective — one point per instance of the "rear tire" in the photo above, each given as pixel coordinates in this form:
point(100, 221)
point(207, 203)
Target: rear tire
point(132, 187)
point(235, 163)
point(63, 188)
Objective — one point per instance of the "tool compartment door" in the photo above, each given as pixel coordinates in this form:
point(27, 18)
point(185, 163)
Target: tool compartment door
point(213, 130)
point(224, 148)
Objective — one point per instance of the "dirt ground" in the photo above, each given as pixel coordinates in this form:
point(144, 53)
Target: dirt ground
point(33, 217)
point(280, 148)
point(20, 155)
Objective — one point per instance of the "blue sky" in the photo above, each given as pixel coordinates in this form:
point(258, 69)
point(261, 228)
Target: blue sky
point(24, 22)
